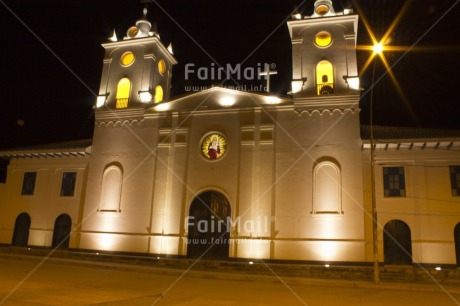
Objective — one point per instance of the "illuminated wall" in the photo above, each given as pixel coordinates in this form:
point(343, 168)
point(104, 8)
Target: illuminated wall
point(428, 207)
point(294, 171)
point(46, 204)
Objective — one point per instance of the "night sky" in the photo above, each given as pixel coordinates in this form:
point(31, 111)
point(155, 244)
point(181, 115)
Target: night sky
point(52, 57)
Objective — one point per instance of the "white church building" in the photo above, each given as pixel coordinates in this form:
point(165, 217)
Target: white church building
point(224, 173)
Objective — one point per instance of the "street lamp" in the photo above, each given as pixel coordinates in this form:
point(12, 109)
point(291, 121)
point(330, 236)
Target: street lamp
point(378, 49)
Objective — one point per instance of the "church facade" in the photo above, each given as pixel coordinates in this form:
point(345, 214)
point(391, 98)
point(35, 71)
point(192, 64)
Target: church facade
point(224, 173)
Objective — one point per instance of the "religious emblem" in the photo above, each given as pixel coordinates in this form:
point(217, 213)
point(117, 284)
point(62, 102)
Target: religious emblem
point(213, 146)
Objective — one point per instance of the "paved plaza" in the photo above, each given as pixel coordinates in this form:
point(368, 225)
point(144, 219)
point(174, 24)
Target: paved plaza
point(36, 281)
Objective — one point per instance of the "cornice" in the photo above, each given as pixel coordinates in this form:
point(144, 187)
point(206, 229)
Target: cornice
point(119, 116)
point(409, 145)
point(330, 103)
point(77, 152)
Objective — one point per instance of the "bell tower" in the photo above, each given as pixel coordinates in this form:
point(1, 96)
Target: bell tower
point(324, 52)
point(136, 69)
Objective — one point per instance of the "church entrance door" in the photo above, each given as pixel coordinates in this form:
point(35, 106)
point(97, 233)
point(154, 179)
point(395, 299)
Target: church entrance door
point(209, 226)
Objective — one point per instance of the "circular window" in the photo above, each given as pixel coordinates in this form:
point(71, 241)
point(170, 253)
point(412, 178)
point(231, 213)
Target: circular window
point(127, 58)
point(162, 66)
point(322, 10)
point(213, 146)
point(132, 32)
point(323, 39)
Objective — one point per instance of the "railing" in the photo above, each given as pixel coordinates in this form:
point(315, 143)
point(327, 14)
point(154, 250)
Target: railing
point(122, 103)
point(325, 88)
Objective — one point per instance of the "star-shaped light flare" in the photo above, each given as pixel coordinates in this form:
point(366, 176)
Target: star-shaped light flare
point(379, 47)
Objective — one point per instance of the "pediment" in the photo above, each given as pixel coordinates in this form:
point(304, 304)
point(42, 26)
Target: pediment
point(217, 97)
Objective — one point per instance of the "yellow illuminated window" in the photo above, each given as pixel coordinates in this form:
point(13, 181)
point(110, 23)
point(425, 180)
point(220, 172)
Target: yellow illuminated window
point(323, 39)
point(123, 91)
point(127, 58)
point(158, 94)
point(324, 78)
point(162, 66)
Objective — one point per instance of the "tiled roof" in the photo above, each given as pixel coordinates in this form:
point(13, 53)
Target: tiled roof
point(391, 132)
point(68, 145)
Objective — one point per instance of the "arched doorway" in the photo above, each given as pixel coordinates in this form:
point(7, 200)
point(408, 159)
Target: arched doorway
point(209, 226)
point(21, 230)
point(397, 244)
point(457, 243)
point(61, 233)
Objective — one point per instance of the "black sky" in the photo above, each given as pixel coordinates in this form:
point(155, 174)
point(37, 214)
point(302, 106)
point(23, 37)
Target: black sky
point(50, 76)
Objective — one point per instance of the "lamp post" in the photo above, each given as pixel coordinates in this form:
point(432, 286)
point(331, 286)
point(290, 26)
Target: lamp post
point(378, 48)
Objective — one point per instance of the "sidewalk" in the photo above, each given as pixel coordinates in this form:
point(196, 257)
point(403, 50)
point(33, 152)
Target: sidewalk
point(34, 280)
point(236, 271)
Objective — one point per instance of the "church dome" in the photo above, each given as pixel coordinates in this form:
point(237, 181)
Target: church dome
point(323, 8)
point(141, 29)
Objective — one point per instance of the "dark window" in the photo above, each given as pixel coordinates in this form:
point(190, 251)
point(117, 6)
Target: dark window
point(21, 230)
point(393, 180)
point(68, 183)
point(397, 243)
point(61, 232)
point(455, 180)
point(457, 243)
point(28, 184)
point(3, 170)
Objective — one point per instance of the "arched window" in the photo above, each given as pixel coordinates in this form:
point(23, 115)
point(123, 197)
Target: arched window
point(324, 78)
point(327, 187)
point(158, 94)
point(61, 232)
point(397, 244)
point(123, 92)
point(457, 243)
point(112, 181)
point(21, 230)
